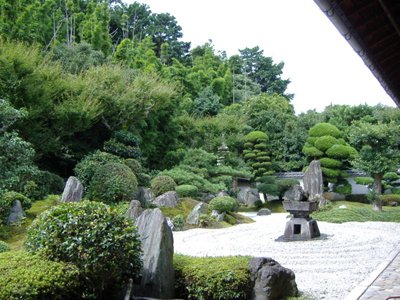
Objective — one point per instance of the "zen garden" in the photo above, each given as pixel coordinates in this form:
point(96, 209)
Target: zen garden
point(133, 166)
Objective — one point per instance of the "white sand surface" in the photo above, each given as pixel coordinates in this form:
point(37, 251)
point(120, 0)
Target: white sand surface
point(325, 268)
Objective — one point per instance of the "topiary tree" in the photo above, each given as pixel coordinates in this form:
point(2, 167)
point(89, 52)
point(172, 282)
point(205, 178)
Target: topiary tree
point(223, 204)
point(112, 183)
point(325, 143)
point(256, 154)
point(101, 243)
point(162, 184)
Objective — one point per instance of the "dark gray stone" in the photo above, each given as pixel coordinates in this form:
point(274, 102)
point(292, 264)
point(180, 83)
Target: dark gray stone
point(271, 280)
point(170, 223)
point(135, 210)
point(248, 196)
point(206, 197)
point(145, 195)
point(264, 212)
point(158, 248)
point(295, 193)
point(16, 213)
point(222, 194)
point(218, 217)
point(313, 182)
point(394, 203)
point(194, 216)
point(168, 199)
point(73, 190)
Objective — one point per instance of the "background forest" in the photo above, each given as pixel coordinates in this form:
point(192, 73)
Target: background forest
point(85, 81)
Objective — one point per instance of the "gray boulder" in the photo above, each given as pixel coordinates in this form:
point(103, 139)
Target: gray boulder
point(194, 216)
point(295, 193)
point(271, 280)
point(264, 212)
point(170, 223)
point(206, 197)
point(157, 279)
point(73, 190)
point(248, 196)
point(313, 183)
point(168, 199)
point(222, 194)
point(135, 210)
point(145, 195)
point(218, 217)
point(16, 213)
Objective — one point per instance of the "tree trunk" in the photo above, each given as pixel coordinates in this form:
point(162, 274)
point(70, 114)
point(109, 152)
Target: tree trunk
point(378, 190)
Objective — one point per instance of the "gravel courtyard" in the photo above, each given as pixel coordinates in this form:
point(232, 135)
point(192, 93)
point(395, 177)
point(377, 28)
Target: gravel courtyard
point(325, 268)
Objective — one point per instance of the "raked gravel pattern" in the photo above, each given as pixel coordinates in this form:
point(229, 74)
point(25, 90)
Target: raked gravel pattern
point(325, 268)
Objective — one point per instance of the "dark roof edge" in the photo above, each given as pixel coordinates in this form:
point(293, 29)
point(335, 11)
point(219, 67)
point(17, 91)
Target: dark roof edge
point(342, 24)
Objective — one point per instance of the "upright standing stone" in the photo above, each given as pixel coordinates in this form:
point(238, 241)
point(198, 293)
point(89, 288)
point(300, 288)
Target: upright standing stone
point(16, 213)
point(248, 196)
point(313, 182)
point(145, 195)
point(73, 190)
point(194, 216)
point(158, 249)
point(135, 210)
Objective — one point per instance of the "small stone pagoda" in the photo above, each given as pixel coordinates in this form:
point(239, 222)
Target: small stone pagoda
point(301, 203)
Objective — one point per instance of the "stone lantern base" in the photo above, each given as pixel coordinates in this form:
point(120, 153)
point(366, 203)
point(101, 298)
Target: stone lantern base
point(301, 229)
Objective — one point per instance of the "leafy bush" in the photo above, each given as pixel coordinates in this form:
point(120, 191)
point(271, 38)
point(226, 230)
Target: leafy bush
point(124, 144)
point(258, 204)
point(113, 182)
point(179, 222)
point(162, 184)
point(223, 204)
point(341, 151)
point(212, 277)
point(388, 199)
point(4, 247)
point(137, 169)
point(205, 220)
point(187, 190)
point(30, 277)
point(7, 200)
point(199, 158)
point(312, 151)
point(322, 129)
point(88, 166)
point(101, 243)
point(343, 188)
point(330, 163)
point(323, 143)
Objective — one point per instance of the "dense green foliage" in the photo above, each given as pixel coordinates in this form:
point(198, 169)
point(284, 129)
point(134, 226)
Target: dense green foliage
point(31, 277)
point(223, 204)
point(186, 190)
point(7, 200)
point(212, 277)
point(162, 184)
point(390, 199)
point(112, 182)
point(102, 244)
point(256, 153)
point(4, 247)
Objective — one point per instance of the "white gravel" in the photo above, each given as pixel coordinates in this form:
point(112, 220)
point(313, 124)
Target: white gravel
point(326, 268)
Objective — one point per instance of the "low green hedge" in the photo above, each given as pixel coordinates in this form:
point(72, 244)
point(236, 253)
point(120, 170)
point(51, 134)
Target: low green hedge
point(212, 277)
point(187, 190)
point(29, 277)
point(223, 204)
point(387, 199)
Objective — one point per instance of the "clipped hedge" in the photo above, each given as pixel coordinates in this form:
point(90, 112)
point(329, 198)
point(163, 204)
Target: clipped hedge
point(322, 129)
point(364, 180)
point(7, 201)
point(101, 243)
point(31, 277)
point(223, 204)
point(210, 278)
point(112, 183)
point(330, 163)
point(388, 199)
point(187, 190)
point(256, 136)
point(323, 143)
point(162, 184)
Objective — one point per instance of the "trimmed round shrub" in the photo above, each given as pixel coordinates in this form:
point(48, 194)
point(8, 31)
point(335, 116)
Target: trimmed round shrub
point(331, 173)
point(223, 204)
point(322, 129)
point(207, 278)
point(88, 166)
point(389, 199)
point(364, 180)
point(162, 184)
point(390, 176)
point(340, 151)
point(312, 151)
point(7, 200)
point(31, 277)
point(186, 190)
point(112, 183)
point(323, 143)
point(256, 136)
point(4, 247)
point(101, 243)
point(330, 163)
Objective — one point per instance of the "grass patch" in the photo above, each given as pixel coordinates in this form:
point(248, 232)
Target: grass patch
point(356, 212)
point(15, 235)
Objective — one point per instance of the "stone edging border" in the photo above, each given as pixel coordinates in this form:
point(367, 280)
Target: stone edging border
point(360, 289)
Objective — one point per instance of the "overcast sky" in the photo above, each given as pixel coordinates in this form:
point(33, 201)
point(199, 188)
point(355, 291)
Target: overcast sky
point(322, 66)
